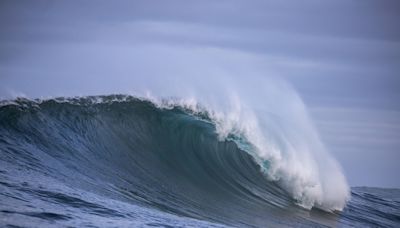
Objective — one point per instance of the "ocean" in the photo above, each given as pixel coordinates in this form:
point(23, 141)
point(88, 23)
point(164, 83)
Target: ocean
point(127, 161)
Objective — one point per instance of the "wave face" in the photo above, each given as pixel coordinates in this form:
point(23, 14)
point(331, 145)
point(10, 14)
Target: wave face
point(131, 162)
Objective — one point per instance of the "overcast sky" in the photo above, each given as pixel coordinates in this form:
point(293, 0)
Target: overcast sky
point(342, 56)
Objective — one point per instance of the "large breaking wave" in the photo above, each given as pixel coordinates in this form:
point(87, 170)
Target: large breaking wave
point(177, 155)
